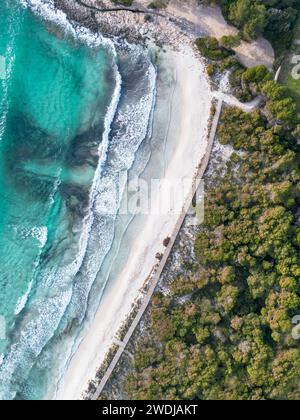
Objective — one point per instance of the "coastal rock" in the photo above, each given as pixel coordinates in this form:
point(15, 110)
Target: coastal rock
point(159, 256)
point(134, 27)
point(166, 242)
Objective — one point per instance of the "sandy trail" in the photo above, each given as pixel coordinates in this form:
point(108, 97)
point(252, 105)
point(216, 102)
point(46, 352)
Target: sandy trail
point(207, 20)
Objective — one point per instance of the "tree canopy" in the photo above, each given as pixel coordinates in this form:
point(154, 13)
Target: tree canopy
point(272, 18)
point(225, 329)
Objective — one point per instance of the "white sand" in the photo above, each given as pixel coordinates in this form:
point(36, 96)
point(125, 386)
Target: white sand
point(208, 20)
point(211, 21)
point(185, 145)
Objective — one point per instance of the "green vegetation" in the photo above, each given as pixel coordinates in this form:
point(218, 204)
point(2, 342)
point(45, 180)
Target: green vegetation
point(158, 4)
point(219, 53)
point(124, 2)
point(290, 74)
point(272, 18)
point(230, 41)
point(211, 48)
point(225, 330)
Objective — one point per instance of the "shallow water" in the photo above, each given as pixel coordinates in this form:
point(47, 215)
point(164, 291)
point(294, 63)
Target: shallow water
point(57, 164)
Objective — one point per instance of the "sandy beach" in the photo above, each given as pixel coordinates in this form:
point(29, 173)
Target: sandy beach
point(179, 141)
point(183, 94)
point(209, 20)
point(108, 166)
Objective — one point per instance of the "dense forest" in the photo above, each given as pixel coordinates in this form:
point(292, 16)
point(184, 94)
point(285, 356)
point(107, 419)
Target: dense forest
point(225, 330)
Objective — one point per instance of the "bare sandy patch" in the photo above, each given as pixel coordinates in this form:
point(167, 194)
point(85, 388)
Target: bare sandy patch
point(210, 21)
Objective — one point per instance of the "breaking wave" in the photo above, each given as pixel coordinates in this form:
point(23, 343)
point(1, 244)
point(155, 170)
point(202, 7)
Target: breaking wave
point(51, 327)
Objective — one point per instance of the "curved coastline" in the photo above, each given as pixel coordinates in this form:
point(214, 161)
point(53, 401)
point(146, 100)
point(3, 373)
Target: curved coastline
point(76, 308)
point(112, 270)
point(44, 318)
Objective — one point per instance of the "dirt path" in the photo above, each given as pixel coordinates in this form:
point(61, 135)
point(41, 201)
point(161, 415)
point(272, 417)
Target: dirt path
point(210, 21)
point(181, 22)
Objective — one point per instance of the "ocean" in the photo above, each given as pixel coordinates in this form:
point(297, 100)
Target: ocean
point(75, 125)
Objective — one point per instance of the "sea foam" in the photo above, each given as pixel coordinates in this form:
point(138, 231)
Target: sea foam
point(42, 322)
point(46, 9)
point(9, 63)
point(43, 317)
point(23, 300)
point(130, 128)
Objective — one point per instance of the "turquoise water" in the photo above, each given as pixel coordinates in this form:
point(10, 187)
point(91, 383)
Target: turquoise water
point(75, 126)
point(53, 104)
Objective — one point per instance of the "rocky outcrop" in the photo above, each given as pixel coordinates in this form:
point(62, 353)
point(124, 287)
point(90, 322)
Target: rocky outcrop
point(135, 25)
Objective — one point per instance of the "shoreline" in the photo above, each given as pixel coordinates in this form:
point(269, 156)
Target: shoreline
point(134, 318)
point(192, 94)
point(166, 131)
point(175, 25)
